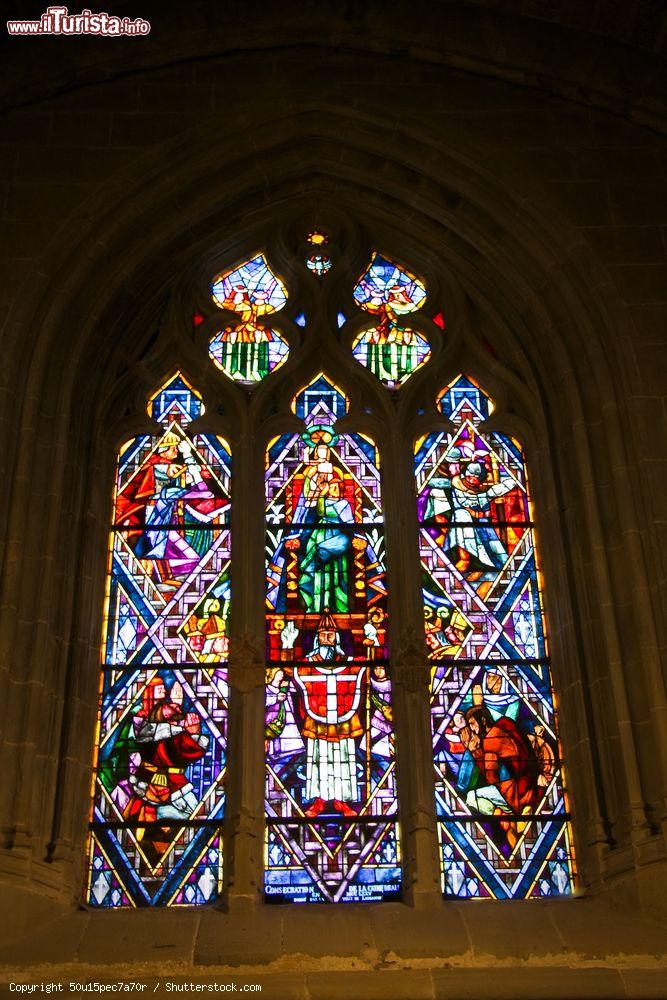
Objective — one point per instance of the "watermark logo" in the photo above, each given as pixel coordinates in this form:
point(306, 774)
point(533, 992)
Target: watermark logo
point(59, 21)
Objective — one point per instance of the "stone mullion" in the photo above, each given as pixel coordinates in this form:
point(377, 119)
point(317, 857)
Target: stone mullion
point(410, 672)
point(244, 825)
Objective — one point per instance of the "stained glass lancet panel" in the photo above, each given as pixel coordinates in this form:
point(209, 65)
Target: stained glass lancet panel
point(502, 809)
point(158, 787)
point(248, 351)
point(332, 822)
point(390, 349)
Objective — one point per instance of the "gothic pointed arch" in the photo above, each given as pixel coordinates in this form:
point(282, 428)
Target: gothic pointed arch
point(540, 338)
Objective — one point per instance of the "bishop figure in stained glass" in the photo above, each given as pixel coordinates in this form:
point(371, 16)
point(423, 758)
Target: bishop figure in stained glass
point(331, 805)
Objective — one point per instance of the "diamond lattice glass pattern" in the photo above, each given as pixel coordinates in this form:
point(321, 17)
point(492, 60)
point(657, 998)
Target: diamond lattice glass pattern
point(158, 796)
point(502, 810)
point(332, 831)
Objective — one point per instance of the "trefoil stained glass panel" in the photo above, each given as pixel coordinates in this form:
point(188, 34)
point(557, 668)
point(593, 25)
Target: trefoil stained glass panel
point(389, 349)
point(249, 350)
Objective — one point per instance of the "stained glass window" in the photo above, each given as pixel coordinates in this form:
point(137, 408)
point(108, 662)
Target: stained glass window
point(332, 831)
point(158, 787)
point(391, 351)
point(317, 260)
point(502, 810)
point(248, 351)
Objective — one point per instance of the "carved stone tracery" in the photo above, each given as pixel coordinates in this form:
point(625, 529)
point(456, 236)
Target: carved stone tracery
point(411, 668)
point(246, 663)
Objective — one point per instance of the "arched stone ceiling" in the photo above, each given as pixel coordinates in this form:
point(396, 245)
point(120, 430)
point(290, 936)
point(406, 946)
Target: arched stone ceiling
point(602, 52)
point(156, 224)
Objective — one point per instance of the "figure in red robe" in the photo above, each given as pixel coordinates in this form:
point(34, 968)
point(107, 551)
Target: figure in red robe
point(169, 740)
point(509, 771)
point(171, 489)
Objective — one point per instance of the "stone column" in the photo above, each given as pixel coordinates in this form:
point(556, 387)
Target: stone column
point(36, 615)
point(244, 825)
point(411, 677)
